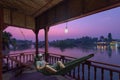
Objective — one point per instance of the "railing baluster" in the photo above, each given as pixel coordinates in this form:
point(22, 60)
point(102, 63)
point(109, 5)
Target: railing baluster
point(24, 61)
point(51, 59)
point(71, 73)
point(88, 72)
point(27, 57)
point(10, 64)
point(78, 72)
point(102, 71)
point(13, 63)
point(62, 58)
point(74, 73)
point(7, 62)
point(82, 71)
point(20, 59)
point(32, 57)
point(95, 73)
point(57, 59)
point(111, 75)
point(119, 75)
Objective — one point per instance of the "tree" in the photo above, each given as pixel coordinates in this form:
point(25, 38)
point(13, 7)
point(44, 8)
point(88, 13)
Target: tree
point(101, 38)
point(6, 37)
point(109, 37)
point(13, 42)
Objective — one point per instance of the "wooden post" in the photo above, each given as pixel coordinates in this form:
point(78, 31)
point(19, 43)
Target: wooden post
point(36, 35)
point(1, 25)
point(46, 43)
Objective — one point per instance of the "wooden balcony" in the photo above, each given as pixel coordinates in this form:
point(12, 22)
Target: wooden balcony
point(89, 70)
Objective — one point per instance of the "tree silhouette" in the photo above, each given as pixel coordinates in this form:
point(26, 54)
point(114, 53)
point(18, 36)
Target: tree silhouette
point(6, 40)
point(109, 37)
point(101, 38)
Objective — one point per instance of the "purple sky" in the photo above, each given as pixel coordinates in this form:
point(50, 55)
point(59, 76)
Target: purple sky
point(94, 25)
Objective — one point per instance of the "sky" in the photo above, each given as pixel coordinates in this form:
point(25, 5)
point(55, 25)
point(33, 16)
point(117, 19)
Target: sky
point(96, 25)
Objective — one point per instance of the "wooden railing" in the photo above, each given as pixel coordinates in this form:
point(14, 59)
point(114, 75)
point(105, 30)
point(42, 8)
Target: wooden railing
point(14, 61)
point(90, 70)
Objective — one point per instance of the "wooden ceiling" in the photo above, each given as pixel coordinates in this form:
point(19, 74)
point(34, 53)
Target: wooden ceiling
point(29, 7)
point(69, 10)
point(37, 14)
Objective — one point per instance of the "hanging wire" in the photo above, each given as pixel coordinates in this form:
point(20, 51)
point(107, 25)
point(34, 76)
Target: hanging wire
point(66, 16)
point(22, 34)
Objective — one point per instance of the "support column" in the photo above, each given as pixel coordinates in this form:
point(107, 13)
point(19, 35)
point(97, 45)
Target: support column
point(1, 25)
point(36, 45)
point(46, 43)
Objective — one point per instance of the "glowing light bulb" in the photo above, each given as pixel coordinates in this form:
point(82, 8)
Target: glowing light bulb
point(66, 30)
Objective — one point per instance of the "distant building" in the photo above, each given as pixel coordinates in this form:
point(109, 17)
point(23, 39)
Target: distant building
point(115, 43)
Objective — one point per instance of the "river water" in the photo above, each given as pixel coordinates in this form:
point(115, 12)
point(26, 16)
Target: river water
point(104, 54)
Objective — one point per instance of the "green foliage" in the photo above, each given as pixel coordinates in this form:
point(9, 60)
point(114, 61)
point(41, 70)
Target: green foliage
point(23, 44)
point(16, 44)
point(6, 37)
point(69, 43)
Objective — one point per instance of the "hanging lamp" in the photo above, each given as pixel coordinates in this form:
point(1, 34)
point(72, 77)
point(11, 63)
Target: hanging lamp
point(66, 28)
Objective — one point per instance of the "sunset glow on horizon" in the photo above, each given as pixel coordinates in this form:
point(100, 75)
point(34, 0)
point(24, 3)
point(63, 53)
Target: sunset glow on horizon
point(95, 25)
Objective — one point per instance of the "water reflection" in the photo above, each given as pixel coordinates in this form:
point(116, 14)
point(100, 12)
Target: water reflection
point(109, 50)
point(62, 49)
point(107, 54)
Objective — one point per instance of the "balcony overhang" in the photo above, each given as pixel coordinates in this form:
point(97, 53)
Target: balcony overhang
point(37, 14)
point(21, 13)
point(72, 9)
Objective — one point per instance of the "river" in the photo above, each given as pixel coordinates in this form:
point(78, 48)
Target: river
point(104, 54)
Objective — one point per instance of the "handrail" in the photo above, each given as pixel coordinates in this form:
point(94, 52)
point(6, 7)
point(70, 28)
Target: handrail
point(112, 65)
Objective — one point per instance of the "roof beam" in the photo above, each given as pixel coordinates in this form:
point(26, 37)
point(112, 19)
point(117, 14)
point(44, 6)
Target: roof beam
point(73, 9)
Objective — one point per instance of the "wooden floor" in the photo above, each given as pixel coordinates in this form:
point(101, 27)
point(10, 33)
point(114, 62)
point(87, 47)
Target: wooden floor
point(29, 74)
point(37, 76)
point(34, 76)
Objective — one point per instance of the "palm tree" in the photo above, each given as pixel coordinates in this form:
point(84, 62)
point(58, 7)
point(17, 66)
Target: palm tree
point(6, 37)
